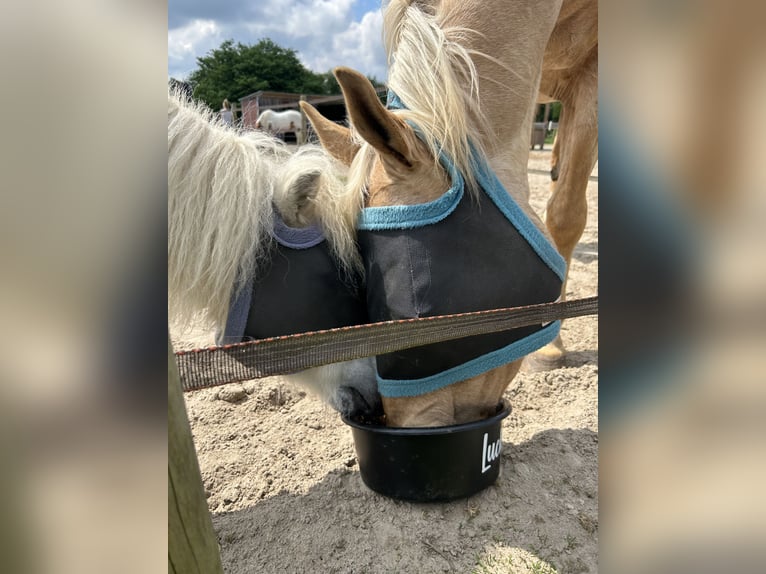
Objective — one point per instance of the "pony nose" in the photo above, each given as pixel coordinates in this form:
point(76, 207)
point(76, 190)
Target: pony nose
point(350, 402)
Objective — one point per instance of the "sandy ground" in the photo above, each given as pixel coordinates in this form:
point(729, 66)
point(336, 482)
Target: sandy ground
point(285, 493)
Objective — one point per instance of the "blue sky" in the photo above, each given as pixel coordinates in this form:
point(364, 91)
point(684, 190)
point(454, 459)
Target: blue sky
point(325, 33)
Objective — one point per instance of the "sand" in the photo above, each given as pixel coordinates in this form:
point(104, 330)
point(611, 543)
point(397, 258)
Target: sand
point(284, 489)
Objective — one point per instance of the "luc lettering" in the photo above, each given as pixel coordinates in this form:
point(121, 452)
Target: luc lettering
point(489, 453)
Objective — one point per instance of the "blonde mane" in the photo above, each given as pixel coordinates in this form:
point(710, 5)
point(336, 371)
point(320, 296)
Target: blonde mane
point(222, 187)
point(332, 208)
point(444, 102)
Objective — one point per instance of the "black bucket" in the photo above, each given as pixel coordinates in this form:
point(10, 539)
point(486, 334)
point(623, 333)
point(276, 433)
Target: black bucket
point(430, 464)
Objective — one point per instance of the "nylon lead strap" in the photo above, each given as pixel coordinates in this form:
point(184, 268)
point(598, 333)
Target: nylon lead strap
point(213, 366)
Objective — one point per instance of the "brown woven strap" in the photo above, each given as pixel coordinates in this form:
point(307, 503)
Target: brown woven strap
point(213, 366)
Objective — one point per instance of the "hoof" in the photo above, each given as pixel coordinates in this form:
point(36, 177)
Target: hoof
point(550, 357)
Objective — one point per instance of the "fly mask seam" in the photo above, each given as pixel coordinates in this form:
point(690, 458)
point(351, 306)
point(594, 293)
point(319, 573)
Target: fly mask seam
point(413, 289)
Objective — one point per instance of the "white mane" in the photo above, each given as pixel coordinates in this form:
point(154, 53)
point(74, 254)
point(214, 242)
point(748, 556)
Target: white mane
point(331, 207)
point(222, 187)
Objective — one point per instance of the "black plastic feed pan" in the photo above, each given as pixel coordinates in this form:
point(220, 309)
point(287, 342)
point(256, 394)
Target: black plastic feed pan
point(430, 464)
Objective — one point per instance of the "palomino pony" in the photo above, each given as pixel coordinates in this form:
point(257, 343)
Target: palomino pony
point(464, 77)
point(280, 122)
point(570, 75)
point(240, 205)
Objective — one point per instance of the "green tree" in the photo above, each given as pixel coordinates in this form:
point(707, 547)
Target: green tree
point(235, 70)
point(553, 115)
point(375, 82)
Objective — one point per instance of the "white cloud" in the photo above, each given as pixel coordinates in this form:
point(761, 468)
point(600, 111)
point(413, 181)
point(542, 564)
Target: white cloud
point(186, 43)
point(360, 46)
point(313, 19)
point(183, 41)
point(323, 32)
point(320, 17)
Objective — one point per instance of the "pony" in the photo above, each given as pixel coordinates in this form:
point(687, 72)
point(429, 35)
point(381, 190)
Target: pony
point(280, 122)
point(228, 190)
point(570, 75)
point(464, 77)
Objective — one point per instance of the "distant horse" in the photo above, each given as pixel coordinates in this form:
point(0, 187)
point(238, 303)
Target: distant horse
point(442, 172)
point(239, 206)
point(280, 122)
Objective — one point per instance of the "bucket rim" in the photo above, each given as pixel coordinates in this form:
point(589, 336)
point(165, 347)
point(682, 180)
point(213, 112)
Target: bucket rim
point(503, 410)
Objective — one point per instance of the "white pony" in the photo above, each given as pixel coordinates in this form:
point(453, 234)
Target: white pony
point(279, 122)
point(223, 189)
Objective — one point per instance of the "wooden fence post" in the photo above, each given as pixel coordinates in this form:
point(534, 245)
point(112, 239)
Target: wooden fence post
point(192, 542)
point(304, 135)
point(236, 121)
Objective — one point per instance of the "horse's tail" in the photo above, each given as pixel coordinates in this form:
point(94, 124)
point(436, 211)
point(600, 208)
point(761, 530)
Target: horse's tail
point(443, 102)
point(220, 188)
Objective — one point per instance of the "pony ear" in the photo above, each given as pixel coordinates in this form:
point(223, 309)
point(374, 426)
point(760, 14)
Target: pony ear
point(295, 203)
point(334, 138)
point(378, 126)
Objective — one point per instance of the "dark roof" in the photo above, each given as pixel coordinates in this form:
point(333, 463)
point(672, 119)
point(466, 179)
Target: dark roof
point(281, 95)
point(289, 99)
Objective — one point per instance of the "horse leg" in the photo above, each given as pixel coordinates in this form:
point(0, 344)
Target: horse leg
point(555, 158)
point(567, 211)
